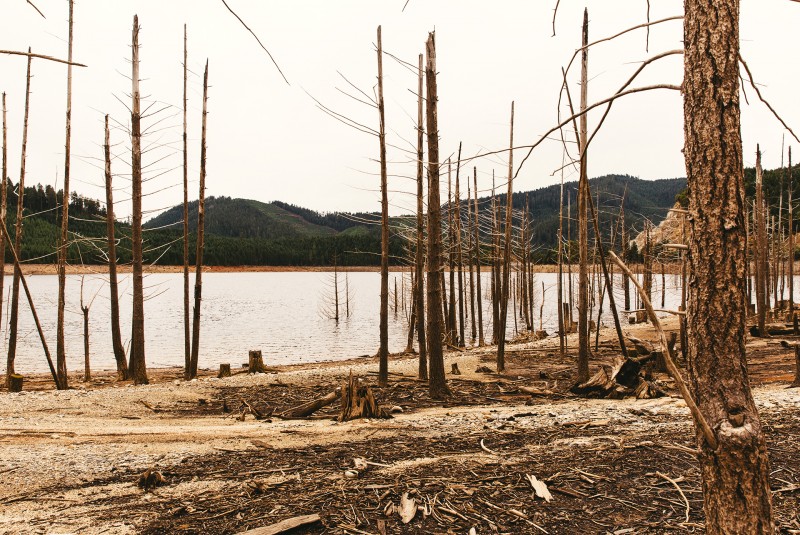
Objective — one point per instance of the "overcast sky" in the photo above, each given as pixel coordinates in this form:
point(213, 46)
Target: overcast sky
point(268, 141)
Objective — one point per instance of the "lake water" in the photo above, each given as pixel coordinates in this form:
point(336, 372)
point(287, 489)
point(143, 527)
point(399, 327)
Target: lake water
point(280, 313)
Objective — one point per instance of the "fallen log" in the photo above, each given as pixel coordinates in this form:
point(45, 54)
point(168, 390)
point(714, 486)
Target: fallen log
point(284, 526)
point(309, 408)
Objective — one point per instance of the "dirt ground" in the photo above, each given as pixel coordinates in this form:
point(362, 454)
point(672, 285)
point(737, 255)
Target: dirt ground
point(70, 461)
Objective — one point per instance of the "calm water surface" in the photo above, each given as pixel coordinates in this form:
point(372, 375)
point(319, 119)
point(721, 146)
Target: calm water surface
point(280, 313)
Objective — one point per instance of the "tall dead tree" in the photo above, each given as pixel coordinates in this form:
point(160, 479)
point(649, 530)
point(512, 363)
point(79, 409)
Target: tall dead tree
point(791, 239)
point(562, 332)
point(760, 219)
point(383, 351)
point(626, 282)
point(470, 256)
point(63, 245)
point(459, 252)
point(583, 223)
point(138, 365)
point(501, 342)
point(3, 205)
point(12, 320)
point(452, 329)
point(422, 371)
point(437, 384)
point(477, 254)
point(116, 335)
point(187, 332)
point(735, 471)
point(201, 224)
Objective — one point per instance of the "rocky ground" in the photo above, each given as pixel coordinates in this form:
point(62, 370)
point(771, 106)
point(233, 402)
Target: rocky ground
point(70, 461)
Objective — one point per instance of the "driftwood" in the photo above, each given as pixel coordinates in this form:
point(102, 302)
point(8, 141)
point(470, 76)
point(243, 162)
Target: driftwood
point(621, 379)
point(284, 526)
point(358, 402)
point(774, 329)
point(255, 363)
point(307, 409)
point(15, 383)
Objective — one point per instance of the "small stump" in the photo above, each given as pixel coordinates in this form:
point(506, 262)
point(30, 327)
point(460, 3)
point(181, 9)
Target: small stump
point(454, 369)
point(15, 383)
point(358, 402)
point(256, 362)
point(224, 371)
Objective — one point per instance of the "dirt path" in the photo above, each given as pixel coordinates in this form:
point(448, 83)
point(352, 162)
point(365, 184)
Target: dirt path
point(70, 461)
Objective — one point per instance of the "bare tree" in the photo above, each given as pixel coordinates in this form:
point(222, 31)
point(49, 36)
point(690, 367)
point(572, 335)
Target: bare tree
point(383, 351)
point(583, 224)
point(735, 470)
point(420, 252)
point(501, 341)
point(187, 331)
point(477, 254)
point(138, 366)
point(437, 384)
point(12, 324)
point(201, 218)
point(3, 205)
point(116, 336)
point(61, 356)
point(762, 295)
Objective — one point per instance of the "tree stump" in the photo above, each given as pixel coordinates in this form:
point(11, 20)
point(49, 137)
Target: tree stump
point(454, 369)
point(15, 383)
point(256, 362)
point(224, 371)
point(358, 402)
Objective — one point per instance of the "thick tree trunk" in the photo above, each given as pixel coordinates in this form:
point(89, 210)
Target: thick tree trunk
point(116, 335)
point(735, 475)
point(422, 371)
point(583, 224)
point(63, 245)
point(201, 227)
point(138, 366)
point(437, 383)
point(383, 352)
point(12, 320)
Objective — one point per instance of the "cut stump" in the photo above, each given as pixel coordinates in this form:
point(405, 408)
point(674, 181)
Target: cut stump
point(224, 371)
point(15, 383)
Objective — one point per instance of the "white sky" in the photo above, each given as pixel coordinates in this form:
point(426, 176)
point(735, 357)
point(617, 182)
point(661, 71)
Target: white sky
point(268, 141)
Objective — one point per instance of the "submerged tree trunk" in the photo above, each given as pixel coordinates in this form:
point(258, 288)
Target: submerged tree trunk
point(138, 366)
point(201, 224)
point(116, 335)
point(437, 383)
point(736, 488)
point(12, 320)
point(61, 351)
point(383, 352)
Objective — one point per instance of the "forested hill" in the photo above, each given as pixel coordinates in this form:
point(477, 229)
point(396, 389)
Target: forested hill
point(249, 232)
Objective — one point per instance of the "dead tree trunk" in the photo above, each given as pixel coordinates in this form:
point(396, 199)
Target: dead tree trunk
point(12, 324)
point(796, 382)
point(452, 329)
point(470, 257)
point(437, 383)
point(201, 224)
point(791, 239)
point(422, 371)
point(3, 206)
point(87, 369)
point(501, 342)
point(187, 331)
point(383, 352)
point(116, 335)
point(477, 253)
point(138, 366)
point(583, 224)
point(61, 351)
point(459, 252)
point(626, 282)
point(760, 249)
point(495, 272)
point(736, 488)
point(562, 332)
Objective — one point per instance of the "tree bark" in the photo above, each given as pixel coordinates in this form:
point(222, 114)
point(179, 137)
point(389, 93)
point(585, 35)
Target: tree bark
point(437, 383)
point(383, 352)
point(138, 366)
point(201, 225)
point(116, 335)
point(63, 245)
point(735, 475)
